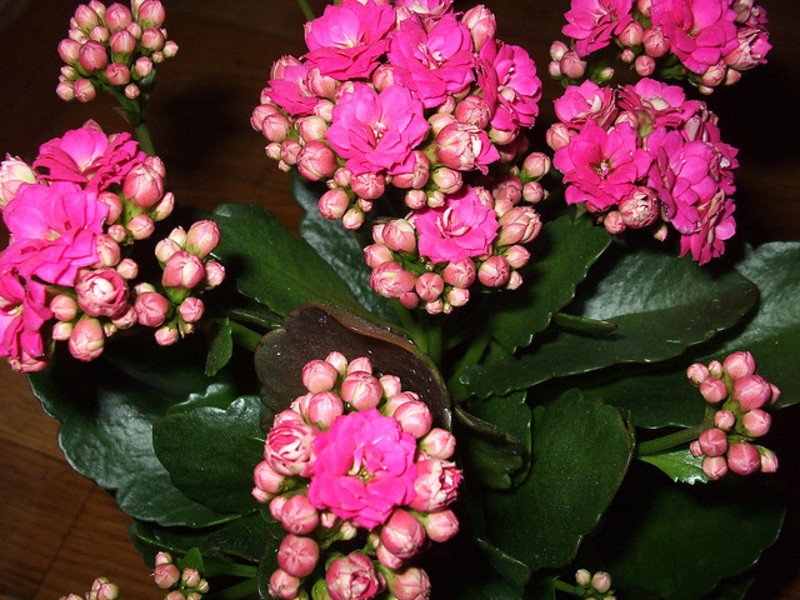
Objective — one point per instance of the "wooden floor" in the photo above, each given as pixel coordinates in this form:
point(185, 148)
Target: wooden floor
point(58, 530)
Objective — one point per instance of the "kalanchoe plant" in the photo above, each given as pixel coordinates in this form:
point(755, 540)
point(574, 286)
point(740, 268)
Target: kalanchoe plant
point(340, 431)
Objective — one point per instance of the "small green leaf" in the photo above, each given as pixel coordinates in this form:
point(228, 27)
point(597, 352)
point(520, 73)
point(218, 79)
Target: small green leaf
point(581, 451)
point(193, 559)
point(220, 347)
point(272, 266)
point(680, 466)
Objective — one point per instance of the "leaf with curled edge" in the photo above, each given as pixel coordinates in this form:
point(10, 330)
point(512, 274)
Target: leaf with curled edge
point(315, 330)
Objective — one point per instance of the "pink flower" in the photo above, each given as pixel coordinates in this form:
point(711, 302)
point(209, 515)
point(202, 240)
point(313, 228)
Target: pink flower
point(13, 173)
point(102, 293)
point(289, 448)
point(594, 22)
point(347, 40)
point(88, 157)
point(377, 131)
point(434, 63)
point(518, 88)
point(586, 102)
point(700, 32)
point(364, 468)
point(657, 103)
point(436, 485)
point(353, 577)
point(428, 10)
point(54, 229)
point(23, 312)
point(465, 147)
point(463, 228)
point(288, 89)
point(602, 167)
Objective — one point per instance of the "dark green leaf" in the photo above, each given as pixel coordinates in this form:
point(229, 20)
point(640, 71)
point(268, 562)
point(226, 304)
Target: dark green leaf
point(582, 325)
point(679, 541)
point(338, 247)
point(220, 348)
point(272, 266)
point(509, 567)
point(732, 589)
point(661, 305)
point(211, 452)
point(680, 466)
point(314, 331)
point(581, 450)
point(564, 251)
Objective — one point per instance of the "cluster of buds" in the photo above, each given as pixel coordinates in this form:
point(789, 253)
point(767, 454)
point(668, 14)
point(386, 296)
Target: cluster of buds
point(113, 48)
point(356, 455)
point(643, 156)
point(73, 216)
point(186, 584)
point(424, 106)
point(187, 271)
point(102, 589)
point(595, 586)
point(710, 42)
point(738, 397)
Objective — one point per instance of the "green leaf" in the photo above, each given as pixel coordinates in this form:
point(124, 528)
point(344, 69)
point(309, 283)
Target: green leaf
point(661, 305)
point(564, 252)
point(272, 266)
point(220, 348)
point(338, 247)
point(211, 453)
point(732, 589)
point(509, 567)
point(680, 541)
point(662, 396)
point(581, 451)
point(680, 466)
point(108, 414)
point(314, 331)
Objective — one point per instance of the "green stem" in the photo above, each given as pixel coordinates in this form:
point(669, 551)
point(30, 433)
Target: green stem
point(307, 12)
point(565, 587)
point(671, 440)
point(244, 336)
point(433, 329)
point(144, 138)
point(245, 589)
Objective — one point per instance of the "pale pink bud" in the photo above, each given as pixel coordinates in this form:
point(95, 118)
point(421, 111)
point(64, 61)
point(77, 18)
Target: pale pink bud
point(299, 516)
point(183, 270)
point(418, 177)
point(572, 65)
point(289, 151)
point(536, 165)
point(377, 254)
point(751, 391)
point(697, 373)
point(724, 420)
point(127, 319)
point(743, 459)
point(64, 307)
point(391, 280)
point(769, 460)
point(361, 390)
point(99, 34)
point(514, 280)
point(316, 161)
point(557, 136)
point(775, 393)
point(117, 74)
point(215, 274)
point(298, 555)
point(87, 339)
point(166, 335)
point(474, 110)
point(460, 274)
point(141, 227)
point(397, 400)
point(163, 558)
point(644, 65)
point(276, 505)
point(695, 449)
point(409, 300)
point(583, 577)
point(383, 77)
point(714, 75)
point(439, 121)
point(481, 23)
point(65, 91)
point(313, 129)
point(715, 467)
point(152, 39)
point(601, 581)
point(202, 238)
point(438, 443)
point(369, 186)
point(85, 17)
point(387, 559)
point(353, 218)
point(166, 575)
point(519, 225)
point(151, 13)
point(132, 91)
point(494, 272)
point(319, 376)
point(655, 43)
point(755, 423)
point(151, 309)
point(440, 526)
point(323, 408)
point(122, 44)
point(170, 49)
point(429, 286)
point(614, 223)
point(414, 418)
point(61, 331)
point(143, 185)
point(261, 112)
point(448, 181)
point(362, 363)
point(732, 76)
point(117, 17)
point(640, 209)
point(402, 534)
point(713, 390)
point(508, 191)
point(558, 49)
point(142, 67)
point(391, 385)
point(93, 56)
point(108, 251)
point(190, 577)
point(716, 369)
point(333, 204)
point(354, 571)
point(400, 235)
point(517, 256)
point(283, 586)
point(713, 442)
point(102, 293)
point(267, 479)
point(83, 90)
point(739, 364)
point(191, 309)
point(644, 6)
point(416, 199)
point(166, 248)
point(69, 51)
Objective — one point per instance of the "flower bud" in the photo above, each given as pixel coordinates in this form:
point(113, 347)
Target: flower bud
point(457, 296)
point(87, 339)
point(215, 274)
point(448, 181)
point(144, 185)
point(386, 558)
point(724, 420)
point(583, 577)
point(183, 270)
point(572, 65)
point(715, 467)
point(751, 391)
point(316, 161)
point(298, 555)
point(644, 65)
point(93, 56)
point(117, 17)
point(166, 335)
point(191, 309)
point(151, 309)
point(391, 280)
point(299, 516)
point(713, 442)
point(369, 186)
point(361, 390)
point(755, 423)
point(151, 13)
point(438, 443)
point(460, 274)
point(132, 91)
point(283, 586)
point(494, 272)
point(190, 578)
point(655, 43)
point(400, 235)
point(353, 218)
point(391, 385)
point(166, 575)
point(429, 286)
point(482, 25)
point(601, 581)
point(102, 293)
point(519, 225)
point(402, 534)
point(83, 90)
point(713, 390)
point(142, 67)
point(739, 364)
point(769, 460)
point(267, 479)
point(122, 45)
point(152, 40)
point(743, 459)
point(697, 373)
point(141, 227)
point(202, 238)
point(440, 526)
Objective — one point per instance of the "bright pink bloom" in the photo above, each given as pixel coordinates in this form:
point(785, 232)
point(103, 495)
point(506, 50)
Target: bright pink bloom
point(436, 485)
point(364, 468)
point(433, 63)
point(347, 40)
point(463, 228)
point(288, 89)
point(586, 102)
point(377, 131)
point(289, 448)
point(517, 89)
point(88, 157)
point(23, 312)
point(353, 577)
point(602, 167)
point(592, 23)
point(657, 103)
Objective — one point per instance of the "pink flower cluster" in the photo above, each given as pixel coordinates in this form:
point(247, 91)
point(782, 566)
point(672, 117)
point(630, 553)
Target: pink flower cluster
point(113, 46)
point(186, 584)
point(416, 98)
point(738, 396)
point(71, 217)
point(714, 40)
point(356, 452)
point(102, 589)
point(643, 156)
